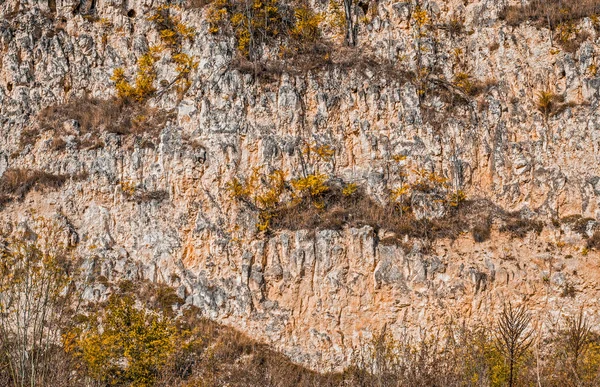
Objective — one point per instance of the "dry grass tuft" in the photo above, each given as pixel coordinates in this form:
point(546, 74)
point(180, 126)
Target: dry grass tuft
point(195, 4)
point(144, 196)
point(550, 13)
point(519, 227)
point(16, 183)
point(85, 118)
point(558, 15)
point(320, 56)
point(593, 243)
point(358, 210)
point(19, 182)
point(551, 104)
point(577, 223)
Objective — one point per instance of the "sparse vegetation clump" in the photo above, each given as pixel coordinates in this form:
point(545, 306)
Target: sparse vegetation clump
point(253, 24)
point(547, 101)
point(39, 294)
point(593, 243)
point(124, 345)
point(514, 337)
point(16, 183)
point(519, 227)
point(471, 86)
point(455, 26)
point(280, 28)
point(560, 16)
point(19, 182)
point(85, 118)
point(195, 4)
point(144, 79)
point(264, 198)
point(139, 194)
point(173, 34)
point(136, 339)
point(551, 104)
point(321, 201)
point(502, 352)
point(569, 36)
point(550, 13)
point(306, 30)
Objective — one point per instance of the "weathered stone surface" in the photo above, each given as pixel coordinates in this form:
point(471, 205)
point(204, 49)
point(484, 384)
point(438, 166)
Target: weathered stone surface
point(314, 294)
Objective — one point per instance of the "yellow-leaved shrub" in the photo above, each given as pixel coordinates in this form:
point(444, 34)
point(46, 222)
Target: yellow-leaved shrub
point(170, 28)
point(312, 185)
point(261, 22)
point(307, 24)
point(124, 345)
point(144, 79)
point(173, 33)
point(261, 192)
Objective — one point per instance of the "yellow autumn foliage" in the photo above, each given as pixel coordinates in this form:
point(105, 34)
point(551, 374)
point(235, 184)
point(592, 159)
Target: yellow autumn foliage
point(272, 190)
point(398, 158)
point(456, 198)
point(464, 81)
point(399, 193)
point(171, 29)
point(307, 24)
point(349, 189)
point(428, 180)
point(184, 66)
point(144, 80)
point(261, 21)
point(420, 16)
point(336, 18)
point(324, 152)
point(217, 15)
point(313, 184)
point(124, 88)
point(124, 345)
point(172, 33)
point(264, 192)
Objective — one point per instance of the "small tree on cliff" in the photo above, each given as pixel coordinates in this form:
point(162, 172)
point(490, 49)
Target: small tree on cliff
point(347, 21)
point(577, 339)
point(38, 294)
point(513, 337)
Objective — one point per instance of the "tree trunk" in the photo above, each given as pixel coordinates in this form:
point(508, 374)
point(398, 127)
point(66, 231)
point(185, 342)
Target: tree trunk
point(350, 29)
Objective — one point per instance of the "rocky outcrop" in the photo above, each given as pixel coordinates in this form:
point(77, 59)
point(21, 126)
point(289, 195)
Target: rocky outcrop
point(160, 210)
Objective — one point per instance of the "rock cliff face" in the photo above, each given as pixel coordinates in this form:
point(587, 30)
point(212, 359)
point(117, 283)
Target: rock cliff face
point(158, 208)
